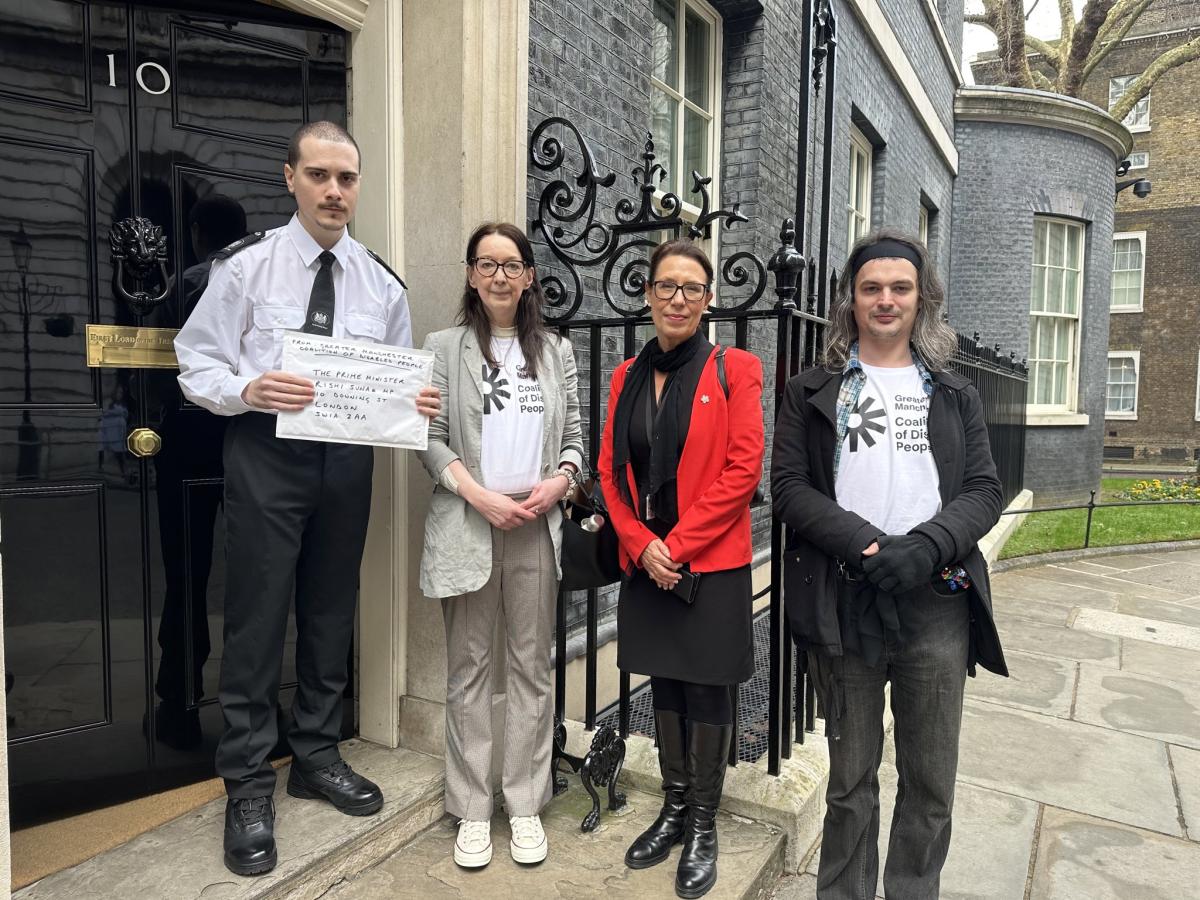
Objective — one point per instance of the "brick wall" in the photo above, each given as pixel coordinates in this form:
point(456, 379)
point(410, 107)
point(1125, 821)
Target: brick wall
point(1008, 174)
point(1167, 331)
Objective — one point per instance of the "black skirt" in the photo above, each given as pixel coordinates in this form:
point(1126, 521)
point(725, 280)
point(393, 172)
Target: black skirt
point(710, 641)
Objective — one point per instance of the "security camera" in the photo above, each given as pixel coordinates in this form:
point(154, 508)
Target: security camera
point(1141, 188)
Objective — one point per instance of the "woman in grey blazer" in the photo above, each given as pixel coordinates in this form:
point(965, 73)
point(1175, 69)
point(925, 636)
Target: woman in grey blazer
point(504, 451)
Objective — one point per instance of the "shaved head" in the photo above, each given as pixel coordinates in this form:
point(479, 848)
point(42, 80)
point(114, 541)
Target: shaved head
point(322, 131)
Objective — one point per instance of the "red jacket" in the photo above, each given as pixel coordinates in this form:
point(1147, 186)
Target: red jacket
point(719, 469)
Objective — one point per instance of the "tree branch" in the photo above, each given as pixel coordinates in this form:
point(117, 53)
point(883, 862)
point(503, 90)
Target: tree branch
point(1041, 82)
point(1048, 51)
point(1010, 39)
point(1119, 11)
point(1105, 45)
point(1075, 57)
point(980, 20)
point(1066, 15)
point(1170, 59)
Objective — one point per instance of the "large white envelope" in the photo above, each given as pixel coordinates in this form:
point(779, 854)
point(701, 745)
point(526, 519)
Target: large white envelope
point(365, 393)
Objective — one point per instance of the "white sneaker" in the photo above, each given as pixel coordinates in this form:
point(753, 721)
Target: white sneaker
point(473, 846)
point(528, 844)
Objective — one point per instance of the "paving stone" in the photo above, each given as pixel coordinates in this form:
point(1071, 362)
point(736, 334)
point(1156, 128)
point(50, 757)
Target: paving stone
point(990, 845)
point(1186, 764)
point(1105, 565)
point(579, 866)
point(1181, 579)
point(1160, 661)
point(1153, 707)
point(1018, 633)
point(318, 846)
point(796, 887)
point(1052, 603)
point(1074, 578)
point(1179, 613)
point(1072, 765)
point(1122, 625)
point(1037, 683)
point(1083, 857)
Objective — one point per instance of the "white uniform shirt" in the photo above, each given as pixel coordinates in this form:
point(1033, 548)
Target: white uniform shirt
point(511, 444)
point(886, 473)
point(258, 294)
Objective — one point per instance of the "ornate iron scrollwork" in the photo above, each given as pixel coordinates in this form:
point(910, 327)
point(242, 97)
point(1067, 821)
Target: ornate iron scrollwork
point(569, 224)
point(824, 36)
point(600, 766)
point(138, 246)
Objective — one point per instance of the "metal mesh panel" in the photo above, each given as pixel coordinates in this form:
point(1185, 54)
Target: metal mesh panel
point(752, 701)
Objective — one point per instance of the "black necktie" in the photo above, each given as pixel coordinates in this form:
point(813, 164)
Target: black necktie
point(320, 301)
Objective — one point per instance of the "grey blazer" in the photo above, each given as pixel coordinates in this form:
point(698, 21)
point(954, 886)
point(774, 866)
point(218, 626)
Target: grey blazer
point(457, 558)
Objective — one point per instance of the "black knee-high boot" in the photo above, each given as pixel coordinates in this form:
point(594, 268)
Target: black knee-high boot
point(654, 844)
point(707, 756)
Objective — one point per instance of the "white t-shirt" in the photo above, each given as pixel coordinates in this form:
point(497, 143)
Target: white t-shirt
point(511, 456)
point(886, 473)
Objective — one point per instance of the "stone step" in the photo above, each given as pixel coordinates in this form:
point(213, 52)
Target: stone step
point(318, 846)
point(580, 865)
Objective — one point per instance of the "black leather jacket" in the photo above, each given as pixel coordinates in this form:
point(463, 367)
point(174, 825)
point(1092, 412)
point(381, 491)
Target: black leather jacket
point(821, 534)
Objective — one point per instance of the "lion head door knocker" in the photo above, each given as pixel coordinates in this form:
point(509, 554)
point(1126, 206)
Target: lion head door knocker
point(138, 245)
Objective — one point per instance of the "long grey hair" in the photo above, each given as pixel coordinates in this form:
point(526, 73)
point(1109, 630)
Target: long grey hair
point(932, 337)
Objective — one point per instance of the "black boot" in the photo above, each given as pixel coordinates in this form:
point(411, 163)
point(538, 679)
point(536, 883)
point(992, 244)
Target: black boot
point(654, 844)
point(250, 835)
point(707, 755)
point(340, 785)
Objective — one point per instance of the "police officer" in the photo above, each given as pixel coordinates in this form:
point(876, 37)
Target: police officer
point(295, 511)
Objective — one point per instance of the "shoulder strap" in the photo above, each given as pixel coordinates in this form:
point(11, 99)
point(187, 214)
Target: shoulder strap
point(240, 244)
point(721, 371)
point(379, 259)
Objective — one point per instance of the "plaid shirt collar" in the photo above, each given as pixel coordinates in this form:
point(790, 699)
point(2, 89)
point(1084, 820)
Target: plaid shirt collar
point(853, 379)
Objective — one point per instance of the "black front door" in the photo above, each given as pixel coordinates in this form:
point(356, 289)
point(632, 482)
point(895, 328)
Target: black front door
point(113, 571)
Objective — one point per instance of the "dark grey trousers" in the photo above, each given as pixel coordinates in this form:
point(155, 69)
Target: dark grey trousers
point(296, 521)
point(928, 674)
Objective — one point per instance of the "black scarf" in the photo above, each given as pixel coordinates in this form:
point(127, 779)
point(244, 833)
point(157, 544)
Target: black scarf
point(666, 441)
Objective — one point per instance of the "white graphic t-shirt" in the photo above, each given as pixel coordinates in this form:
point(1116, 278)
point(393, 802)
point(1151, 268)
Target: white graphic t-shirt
point(886, 473)
point(511, 456)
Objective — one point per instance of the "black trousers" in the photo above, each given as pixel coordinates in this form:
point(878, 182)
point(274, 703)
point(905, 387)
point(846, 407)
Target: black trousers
point(296, 521)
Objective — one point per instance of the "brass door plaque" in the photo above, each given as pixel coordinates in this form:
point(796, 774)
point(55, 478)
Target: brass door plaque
point(131, 347)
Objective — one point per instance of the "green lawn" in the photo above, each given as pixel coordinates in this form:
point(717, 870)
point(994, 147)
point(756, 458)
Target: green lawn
point(1064, 530)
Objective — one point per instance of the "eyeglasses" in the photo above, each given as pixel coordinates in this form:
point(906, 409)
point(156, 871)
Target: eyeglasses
point(486, 266)
point(693, 291)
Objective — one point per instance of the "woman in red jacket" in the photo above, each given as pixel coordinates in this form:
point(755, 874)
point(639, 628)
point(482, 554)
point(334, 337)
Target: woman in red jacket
point(680, 459)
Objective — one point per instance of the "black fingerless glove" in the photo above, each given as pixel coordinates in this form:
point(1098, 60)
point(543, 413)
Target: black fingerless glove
point(903, 562)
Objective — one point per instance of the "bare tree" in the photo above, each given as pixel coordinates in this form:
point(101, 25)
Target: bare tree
point(1082, 44)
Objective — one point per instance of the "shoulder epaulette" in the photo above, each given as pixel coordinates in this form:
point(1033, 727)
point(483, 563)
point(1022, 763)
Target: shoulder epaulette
point(379, 259)
point(240, 244)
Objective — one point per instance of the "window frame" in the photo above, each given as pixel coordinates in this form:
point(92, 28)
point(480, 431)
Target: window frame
point(860, 146)
point(1129, 79)
point(923, 224)
point(688, 210)
point(1144, 153)
point(1198, 386)
point(1136, 356)
point(1071, 400)
point(1139, 236)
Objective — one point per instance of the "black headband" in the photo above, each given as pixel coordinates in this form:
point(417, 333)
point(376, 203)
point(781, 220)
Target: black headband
point(886, 248)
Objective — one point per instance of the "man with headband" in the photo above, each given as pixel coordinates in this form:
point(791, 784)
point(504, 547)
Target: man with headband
point(883, 474)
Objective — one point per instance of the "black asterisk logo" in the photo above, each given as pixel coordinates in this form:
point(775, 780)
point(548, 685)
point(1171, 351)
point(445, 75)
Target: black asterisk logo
point(865, 425)
point(495, 389)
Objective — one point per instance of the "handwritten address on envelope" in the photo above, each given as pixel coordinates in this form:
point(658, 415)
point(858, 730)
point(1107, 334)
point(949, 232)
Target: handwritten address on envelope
point(365, 393)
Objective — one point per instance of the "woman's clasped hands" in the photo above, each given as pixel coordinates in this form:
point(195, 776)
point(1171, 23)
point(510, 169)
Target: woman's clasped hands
point(656, 560)
point(505, 513)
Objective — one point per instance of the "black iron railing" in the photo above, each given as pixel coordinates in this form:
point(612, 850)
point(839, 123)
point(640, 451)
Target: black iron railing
point(593, 262)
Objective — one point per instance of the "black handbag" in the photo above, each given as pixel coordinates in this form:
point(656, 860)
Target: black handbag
point(589, 541)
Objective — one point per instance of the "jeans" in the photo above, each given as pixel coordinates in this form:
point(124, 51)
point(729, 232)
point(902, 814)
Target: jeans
point(928, 674)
